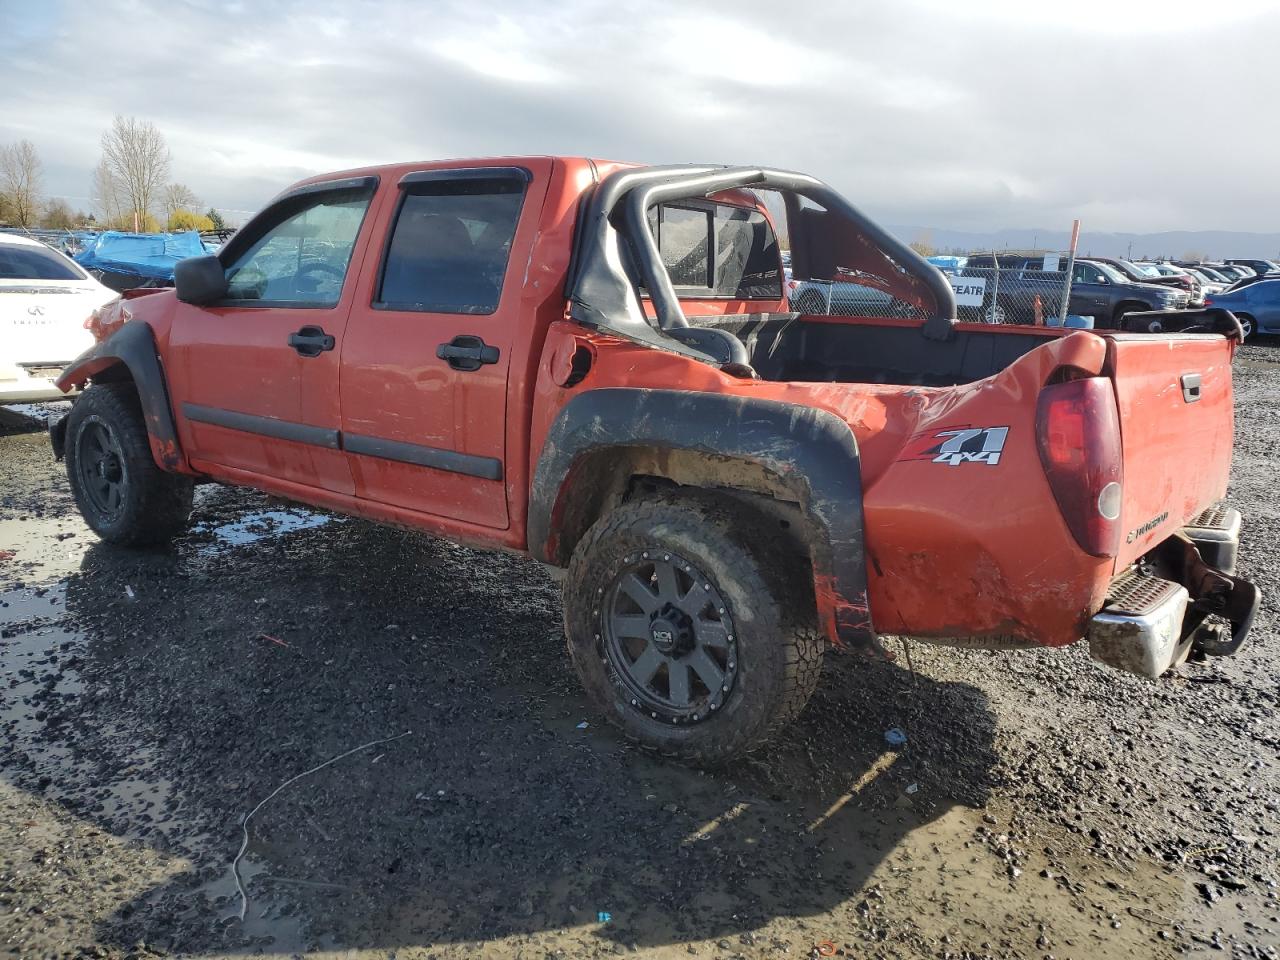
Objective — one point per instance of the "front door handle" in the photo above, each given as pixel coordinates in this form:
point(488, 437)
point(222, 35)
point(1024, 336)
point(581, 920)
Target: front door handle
point(311, 341)
point(465, 352)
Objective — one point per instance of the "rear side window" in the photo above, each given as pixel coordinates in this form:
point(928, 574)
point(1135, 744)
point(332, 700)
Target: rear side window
point(21, 262)
point(746, 264)
point(450, 245)
point(301, 256)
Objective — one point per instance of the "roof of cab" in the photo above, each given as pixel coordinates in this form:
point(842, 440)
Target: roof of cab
point(406, 166)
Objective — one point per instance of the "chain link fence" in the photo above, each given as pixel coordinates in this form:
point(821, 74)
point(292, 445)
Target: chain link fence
point(1017, 288)
point(1023, 288)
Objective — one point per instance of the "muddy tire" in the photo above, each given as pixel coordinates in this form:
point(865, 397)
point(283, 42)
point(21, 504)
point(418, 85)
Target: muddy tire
point(693, 638)
point(124, 497)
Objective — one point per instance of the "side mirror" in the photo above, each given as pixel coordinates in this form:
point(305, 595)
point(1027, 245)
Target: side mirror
point(200, 281)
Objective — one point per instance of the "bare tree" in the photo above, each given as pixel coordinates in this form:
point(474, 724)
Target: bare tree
point(178, 196)
point(21, 176)
point(58, 215)
point(134, 153)
point(107, 202)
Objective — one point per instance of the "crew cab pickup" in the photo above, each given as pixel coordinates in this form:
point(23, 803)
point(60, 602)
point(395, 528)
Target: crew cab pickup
point(593, 363)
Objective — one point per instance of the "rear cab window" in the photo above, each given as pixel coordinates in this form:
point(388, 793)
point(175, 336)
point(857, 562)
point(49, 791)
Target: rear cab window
point(747, 264)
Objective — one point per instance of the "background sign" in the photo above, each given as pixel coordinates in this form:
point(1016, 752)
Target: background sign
point(969, 290)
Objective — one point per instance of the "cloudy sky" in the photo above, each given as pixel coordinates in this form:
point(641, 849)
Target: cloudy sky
point(969, 114)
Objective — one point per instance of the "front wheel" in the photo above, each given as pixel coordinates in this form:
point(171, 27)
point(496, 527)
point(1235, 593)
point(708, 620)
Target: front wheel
point(123, 496)
point(689, 636)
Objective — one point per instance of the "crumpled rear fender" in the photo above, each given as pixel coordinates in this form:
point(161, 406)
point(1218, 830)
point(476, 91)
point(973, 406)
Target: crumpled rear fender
point(811, 452)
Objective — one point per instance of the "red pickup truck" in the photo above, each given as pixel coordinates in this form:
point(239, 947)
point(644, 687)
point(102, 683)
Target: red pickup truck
point(595, 363)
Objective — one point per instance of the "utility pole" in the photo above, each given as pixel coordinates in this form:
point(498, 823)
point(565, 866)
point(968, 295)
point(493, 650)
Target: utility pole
point(1071, 265)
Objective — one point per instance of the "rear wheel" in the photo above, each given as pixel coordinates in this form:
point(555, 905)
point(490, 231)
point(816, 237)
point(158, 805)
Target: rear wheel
point(1246, 324)
point(689, 636)
point(124, 497)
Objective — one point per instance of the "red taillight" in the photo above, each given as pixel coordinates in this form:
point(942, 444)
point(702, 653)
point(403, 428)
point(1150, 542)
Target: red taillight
point(1208, 302)
point(1078, 433)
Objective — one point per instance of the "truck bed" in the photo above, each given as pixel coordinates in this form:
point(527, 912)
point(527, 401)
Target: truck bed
point(824, 349)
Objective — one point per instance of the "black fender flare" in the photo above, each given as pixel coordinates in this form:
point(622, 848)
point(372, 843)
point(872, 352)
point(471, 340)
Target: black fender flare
point(811, 451)
point(134, 346)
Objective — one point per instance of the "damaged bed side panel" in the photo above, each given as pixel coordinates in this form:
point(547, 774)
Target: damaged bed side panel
point(812, 454)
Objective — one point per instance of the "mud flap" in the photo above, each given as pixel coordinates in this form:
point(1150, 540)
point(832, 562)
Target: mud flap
point(58, 435)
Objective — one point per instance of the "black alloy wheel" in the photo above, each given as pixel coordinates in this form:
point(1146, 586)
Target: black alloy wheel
point(669, 637)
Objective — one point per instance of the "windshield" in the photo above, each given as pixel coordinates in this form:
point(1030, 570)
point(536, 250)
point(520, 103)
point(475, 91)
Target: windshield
point(1110, 272)
point(1213, 276)
point(21, 262)
point(1147, 270)
point(1133, 269)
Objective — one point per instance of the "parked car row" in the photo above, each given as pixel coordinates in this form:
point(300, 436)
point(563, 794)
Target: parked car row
point(1028, 288)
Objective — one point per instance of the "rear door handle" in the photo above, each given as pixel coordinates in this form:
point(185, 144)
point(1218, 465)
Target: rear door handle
point(311, 341)
point(467, 353)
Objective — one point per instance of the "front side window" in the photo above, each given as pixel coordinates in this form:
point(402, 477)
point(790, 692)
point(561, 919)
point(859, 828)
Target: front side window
point(301, 259)
point(450, 245)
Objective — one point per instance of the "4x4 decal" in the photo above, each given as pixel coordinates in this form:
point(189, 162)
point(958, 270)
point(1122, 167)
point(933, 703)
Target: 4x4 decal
point(959, 445)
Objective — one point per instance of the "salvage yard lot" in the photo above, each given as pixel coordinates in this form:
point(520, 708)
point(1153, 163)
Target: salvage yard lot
point(1042, 804)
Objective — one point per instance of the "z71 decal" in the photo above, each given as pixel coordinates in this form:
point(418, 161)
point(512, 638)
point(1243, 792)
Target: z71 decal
point(961, 445)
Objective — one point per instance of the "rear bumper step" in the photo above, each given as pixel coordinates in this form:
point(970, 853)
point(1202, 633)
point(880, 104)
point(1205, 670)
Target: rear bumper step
point(1216, 534)
point(1139, 630)
point(1181, 598)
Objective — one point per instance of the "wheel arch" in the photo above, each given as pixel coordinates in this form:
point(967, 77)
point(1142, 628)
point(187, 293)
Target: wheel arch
point(129, 354)
point(1130, 306)
point(779, 459)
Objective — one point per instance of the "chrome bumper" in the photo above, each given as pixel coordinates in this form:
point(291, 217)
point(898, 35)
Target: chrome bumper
point(1140, 628)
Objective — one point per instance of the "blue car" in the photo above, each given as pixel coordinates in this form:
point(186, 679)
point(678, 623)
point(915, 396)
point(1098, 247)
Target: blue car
point(1256, 305)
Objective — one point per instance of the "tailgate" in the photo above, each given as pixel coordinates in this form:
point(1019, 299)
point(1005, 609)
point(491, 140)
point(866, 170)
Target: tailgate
point(1176, 439)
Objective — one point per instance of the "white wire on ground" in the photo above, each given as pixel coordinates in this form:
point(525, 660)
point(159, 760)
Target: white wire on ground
point(244, 824)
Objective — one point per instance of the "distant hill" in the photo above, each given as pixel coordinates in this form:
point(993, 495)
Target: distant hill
point(1211, 244)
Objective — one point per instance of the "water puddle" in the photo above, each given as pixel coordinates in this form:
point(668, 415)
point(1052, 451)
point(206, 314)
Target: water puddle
point(258, 525)
point(47, 547)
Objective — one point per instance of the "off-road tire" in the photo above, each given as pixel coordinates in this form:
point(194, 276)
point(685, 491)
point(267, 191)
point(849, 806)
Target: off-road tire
point(779, 648)
point(153, 506)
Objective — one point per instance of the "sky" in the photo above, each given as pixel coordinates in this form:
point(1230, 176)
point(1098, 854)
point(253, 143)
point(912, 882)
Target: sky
point(970, 114)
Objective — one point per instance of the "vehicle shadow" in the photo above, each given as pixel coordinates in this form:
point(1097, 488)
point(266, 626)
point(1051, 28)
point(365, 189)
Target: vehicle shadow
point(215, 674)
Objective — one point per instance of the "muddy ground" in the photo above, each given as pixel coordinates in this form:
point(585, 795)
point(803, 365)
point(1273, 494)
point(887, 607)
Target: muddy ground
point(1042, 806)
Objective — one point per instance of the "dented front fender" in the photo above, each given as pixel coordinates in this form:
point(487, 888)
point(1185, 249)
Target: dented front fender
point(132, 346)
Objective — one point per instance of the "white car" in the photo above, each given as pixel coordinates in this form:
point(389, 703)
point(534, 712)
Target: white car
point(45, 299)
